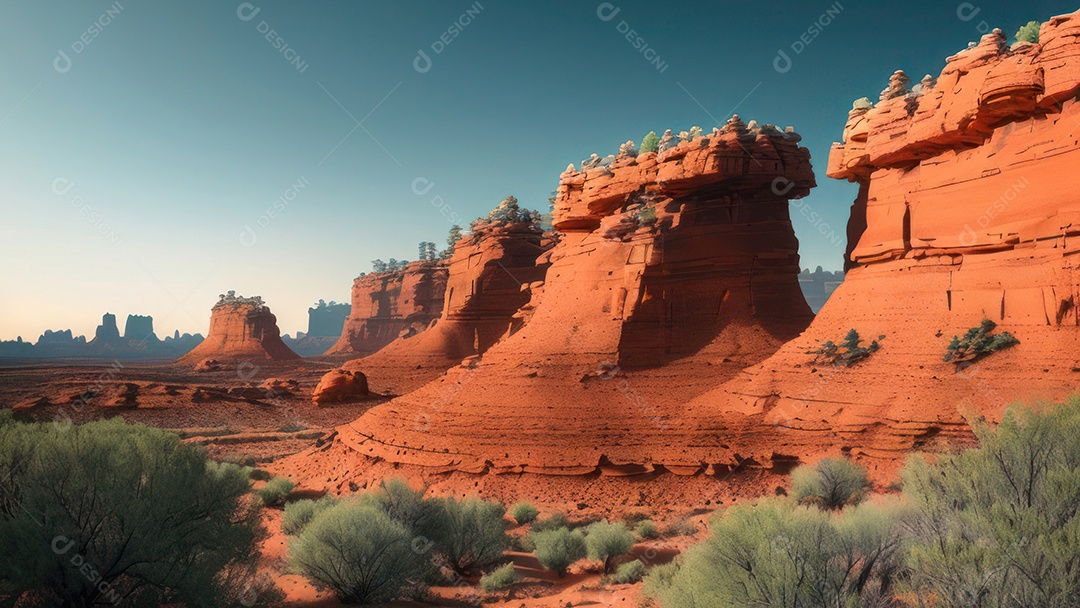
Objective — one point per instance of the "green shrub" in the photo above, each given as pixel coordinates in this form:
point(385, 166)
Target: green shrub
point(978, 343)
point(499, 578)
point(95, 512)
point(1028, 32)
point(998, 525)
point(554, 522)
point(300, 513)
point(605, 541)
point(523, 512)
point(275, 491)
point(849, 352)
point(360, 552)
point(404, 505)
point(630, 572)
point(558, 549)
point(779, 554)
point(649, 143)
point(647, 530)
point(471, 533)
point(832, 483)
point(682, 527)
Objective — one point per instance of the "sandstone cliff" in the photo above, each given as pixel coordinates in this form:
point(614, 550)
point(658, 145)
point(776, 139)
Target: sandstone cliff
point(966, 211)
point(492, 274)
point(387, 305)
point(241, 329)
point(674, 271)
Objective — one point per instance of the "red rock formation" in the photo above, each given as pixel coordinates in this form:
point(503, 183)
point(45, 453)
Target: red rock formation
point(340, 385)
point(387, 305)
point(241, 328)
point(491, 276)
point(686, 259)
point(966, 211)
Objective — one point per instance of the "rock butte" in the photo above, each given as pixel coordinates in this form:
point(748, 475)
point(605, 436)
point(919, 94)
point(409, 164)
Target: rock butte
point(241, 329)
point(965, 211)
point(674, 272)
point(492, 274)
point(386, 305)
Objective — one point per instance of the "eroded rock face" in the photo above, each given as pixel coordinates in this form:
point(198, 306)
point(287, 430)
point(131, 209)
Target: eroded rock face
point(490, 277)
point(673, 272)
point(387, 305)
point(966, 211)
point(241, 329)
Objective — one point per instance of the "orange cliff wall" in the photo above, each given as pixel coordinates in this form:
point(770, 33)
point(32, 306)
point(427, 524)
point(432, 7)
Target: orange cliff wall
point(386, 305)
point(241, 328)
point(673, 272)
point(970, 212)
point(492, 273)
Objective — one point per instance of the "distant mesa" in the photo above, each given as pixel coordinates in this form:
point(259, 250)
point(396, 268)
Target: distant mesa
point(138, 342)
point(241, 328)
point(817, 286)
point(326, 320)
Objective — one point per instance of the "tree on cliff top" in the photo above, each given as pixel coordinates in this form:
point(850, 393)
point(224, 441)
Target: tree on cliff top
point(649, 143)
point(1028, 33)
point(451, 239)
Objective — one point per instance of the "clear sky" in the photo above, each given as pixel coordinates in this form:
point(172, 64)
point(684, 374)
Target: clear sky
point(143, 143)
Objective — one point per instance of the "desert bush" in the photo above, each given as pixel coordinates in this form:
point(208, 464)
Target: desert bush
point(978, 343)
point(554, 522)
point(646, 215)
point(1028, 32)
point(780, 554)
point(998, 525)
point(647, 530)
point(630, 572)
point(404, 505)
point(105, 512)
point(558, 549)
point(832, 483)
point(470, 533)
point(681, 527)
point(299, 514)
point(524, 512)
point(605, 541)
point(849, 352)
point(499, 578)
point(360, 552)
point(649, 143)
point(275, 491)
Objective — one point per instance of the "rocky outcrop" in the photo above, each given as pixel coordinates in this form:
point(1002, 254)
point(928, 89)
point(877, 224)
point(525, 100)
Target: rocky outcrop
point(492, 274)
point(817, 286)
point(138, 342)
point(964, 213)
point(340, 385)
point(139, 328)
point(673, 272)
point(327, 320)
point(241, 329)
point(388, 305)
point(107, 333)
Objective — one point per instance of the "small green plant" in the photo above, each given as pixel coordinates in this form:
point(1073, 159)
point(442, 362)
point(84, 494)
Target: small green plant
point(649, 143)
point(646, 216)
point(831, 484)
point(470, 533)
point(630, 572)
point(499, 578)
point(557, 549)
point(376, 552)
point(647, 530)
point(523, 512)
point(978, 343)
point(682, 527)
point(1029, 32)
point(300, 513)
point(554, 522)
point(605, 541)
point(275, 491)
point(695, 131)
point(849, 352)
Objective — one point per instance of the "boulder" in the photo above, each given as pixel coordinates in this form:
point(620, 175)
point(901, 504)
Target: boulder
point(340, 385)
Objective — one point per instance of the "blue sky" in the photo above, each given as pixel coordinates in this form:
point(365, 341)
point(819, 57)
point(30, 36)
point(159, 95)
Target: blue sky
point(138, 167)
